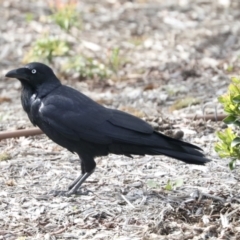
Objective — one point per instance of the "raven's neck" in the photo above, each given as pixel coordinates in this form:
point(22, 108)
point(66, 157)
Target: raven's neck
point(29, 93)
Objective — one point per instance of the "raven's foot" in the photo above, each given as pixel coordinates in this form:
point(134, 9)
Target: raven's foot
point(78, 192)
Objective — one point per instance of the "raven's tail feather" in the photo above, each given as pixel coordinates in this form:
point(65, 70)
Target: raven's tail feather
point(189, 158)
point(160, 144)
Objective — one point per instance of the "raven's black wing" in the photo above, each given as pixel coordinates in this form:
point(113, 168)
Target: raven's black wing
point(76, 116)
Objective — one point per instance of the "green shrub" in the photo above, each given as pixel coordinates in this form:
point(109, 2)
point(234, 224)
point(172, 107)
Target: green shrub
point(229, 140)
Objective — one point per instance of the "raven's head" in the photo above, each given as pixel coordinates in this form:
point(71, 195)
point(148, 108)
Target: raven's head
point(34, 74)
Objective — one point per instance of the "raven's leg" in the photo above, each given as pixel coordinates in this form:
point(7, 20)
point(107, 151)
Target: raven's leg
point(88, 165)
point(78, 182)
point(75, 182)
point(78, 178)
point(73, 188)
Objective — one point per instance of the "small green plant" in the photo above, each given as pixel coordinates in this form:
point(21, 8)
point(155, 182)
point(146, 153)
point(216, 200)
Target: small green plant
point(46, 48)
point(115, 60)
point(66, 17)
point(172, 185)
point(87, 67)
point(29, 17)
point(229, 140)
point(230, 68)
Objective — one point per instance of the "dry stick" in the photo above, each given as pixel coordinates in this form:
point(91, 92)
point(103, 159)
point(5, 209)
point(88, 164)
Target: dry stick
point(37, 131)
point(127, 201)
point(207, 117)
point(20, 133)
point(61, 230)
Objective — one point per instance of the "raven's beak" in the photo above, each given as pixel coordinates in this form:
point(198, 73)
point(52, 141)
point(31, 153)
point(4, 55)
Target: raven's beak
point(19, 73)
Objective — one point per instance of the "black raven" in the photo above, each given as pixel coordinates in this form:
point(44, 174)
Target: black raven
point(89, 129)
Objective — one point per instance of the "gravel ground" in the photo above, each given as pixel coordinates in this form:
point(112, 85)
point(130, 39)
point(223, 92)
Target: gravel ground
point(171, 50)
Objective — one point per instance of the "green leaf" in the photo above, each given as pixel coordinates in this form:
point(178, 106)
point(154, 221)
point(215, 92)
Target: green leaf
point(233, 89)
point(169, 186)
point(178, 183)
point(152, 184)
point(236, 99)
point(237, 123)
point(223, 98)
point(231, 135)
point(229, 119)
point(232, 164)
point(226, 136)
point(173, 185)
point(235, 142)
point(235, 80)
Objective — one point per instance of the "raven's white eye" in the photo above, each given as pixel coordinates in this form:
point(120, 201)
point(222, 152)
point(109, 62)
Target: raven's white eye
point(34, 71)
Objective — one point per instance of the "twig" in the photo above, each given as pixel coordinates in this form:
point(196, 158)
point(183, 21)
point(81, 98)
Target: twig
point(207, 117)
point(61, 230)
point(127, 201)
point(20, 133)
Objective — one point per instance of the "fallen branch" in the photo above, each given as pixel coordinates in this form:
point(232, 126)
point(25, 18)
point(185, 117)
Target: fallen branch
point(20, 133)
point(207, 117)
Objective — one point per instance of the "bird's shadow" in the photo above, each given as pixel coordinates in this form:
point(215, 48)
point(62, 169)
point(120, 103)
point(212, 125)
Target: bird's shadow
point(62, 193)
